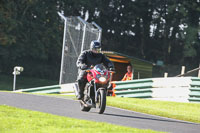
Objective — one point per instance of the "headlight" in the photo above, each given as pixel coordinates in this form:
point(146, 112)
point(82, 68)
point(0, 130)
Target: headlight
point(102, 79)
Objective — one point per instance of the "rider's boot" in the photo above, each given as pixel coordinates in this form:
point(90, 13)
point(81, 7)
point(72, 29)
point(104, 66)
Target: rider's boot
point(80, 90)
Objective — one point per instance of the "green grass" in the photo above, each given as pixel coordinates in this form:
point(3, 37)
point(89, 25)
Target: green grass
point(176, 110)
point(6, 82)
point(19, 121)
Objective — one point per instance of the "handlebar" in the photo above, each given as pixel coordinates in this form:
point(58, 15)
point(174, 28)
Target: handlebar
point(87, 70)
point(112, 72)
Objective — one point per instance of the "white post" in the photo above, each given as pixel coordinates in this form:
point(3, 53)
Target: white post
point(63, 47)
point(17, 71)
point(199, 72)
point(14, 80)
point(183, 70)
point(100, 30)
point(165, 75)
point(83, 40)
point(84, 31)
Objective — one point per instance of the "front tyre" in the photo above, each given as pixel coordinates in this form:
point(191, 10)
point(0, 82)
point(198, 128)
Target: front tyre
point(101, 104)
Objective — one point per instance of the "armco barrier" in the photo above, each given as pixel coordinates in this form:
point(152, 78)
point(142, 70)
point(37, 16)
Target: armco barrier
point(137, 93)
point(194, 90)
point(181, 89)
point(46, 89)
point(134, 88)
point(54, 89)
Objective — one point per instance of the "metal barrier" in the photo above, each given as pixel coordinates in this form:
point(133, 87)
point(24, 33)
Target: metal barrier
point(47, 89)
point(194, 90)
point(180, 89)
point(54, 89)
point(134, 88)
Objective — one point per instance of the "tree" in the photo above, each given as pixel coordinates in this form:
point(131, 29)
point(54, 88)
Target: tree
point(31, 31)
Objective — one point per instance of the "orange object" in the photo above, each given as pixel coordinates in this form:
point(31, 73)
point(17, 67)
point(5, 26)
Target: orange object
point(113, 90)
point(128, 76)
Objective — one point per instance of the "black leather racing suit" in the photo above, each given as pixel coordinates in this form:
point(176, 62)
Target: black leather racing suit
point(86, 59)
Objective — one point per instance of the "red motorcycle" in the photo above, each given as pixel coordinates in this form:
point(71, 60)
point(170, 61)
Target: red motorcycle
point(96, 89)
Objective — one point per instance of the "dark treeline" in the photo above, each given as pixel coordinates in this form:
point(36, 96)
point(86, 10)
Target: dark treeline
point(31, 31)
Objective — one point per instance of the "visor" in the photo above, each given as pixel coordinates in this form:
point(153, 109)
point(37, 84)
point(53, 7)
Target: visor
point(96, 49)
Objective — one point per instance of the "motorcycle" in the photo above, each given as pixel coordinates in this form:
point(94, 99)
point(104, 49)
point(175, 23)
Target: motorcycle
point(98, 80)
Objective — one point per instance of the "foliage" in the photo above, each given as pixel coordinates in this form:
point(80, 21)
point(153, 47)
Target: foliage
point(31, 37)
point(31, 31)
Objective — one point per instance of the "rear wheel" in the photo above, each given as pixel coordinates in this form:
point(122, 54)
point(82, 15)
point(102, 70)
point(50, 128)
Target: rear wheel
point(101, 104)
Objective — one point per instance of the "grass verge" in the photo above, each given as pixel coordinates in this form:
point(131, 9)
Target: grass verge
point(19, 120)
point(181, 111)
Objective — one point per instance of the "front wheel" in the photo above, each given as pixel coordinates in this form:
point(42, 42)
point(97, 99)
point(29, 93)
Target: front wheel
point(101, 104)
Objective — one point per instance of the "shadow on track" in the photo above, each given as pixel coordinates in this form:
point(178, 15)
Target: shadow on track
point(145, 118)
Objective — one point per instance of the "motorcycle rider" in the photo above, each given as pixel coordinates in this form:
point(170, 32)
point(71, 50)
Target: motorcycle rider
point(87, 59)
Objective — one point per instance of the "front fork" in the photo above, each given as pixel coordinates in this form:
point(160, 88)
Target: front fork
point(95, 92)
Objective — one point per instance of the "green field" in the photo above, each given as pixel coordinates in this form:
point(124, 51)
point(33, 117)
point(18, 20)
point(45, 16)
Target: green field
point(176, 110)
point(19, 121)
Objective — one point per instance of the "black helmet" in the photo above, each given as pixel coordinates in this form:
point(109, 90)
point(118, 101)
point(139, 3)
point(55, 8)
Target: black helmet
point(95, 46)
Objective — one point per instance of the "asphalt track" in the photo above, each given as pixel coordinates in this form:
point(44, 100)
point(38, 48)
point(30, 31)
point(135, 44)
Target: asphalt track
point(70, 108)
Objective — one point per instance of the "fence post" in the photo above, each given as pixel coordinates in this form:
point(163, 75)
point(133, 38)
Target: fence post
point(182, 70)
point(138, 75)
point(165, 75)
point(199, 72)
point(63, 46)
point(17, 71)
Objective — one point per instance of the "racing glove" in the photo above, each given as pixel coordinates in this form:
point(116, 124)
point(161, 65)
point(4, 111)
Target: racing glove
point(111, 69)
point(83, 67)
